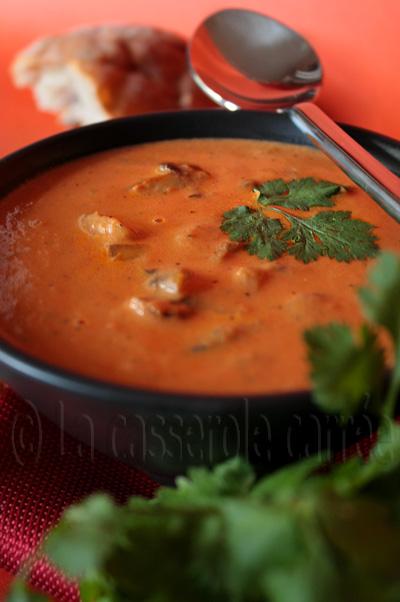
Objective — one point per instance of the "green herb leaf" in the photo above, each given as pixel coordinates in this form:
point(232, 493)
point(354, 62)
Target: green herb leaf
point(80, 543)
point(381, 299)
point(363, 531)
point(380, 475)
point(330, 233)
point(96, 589)
point(333, 234)
point(344, 371)
point(21, 593)
point(234, 479)
point(297, 194)
point(306, 542)
point(262, 234)
point(285, 483)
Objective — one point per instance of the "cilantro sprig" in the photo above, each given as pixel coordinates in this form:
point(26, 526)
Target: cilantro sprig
point(297, 535)
point(334, 234)
point(347, 369)
point(297, 194)
point(263, 236)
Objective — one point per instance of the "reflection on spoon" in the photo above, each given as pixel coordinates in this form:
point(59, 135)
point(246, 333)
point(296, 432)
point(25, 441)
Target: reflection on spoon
point(243, 59)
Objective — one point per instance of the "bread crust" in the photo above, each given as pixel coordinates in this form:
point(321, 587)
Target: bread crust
point(97, 73)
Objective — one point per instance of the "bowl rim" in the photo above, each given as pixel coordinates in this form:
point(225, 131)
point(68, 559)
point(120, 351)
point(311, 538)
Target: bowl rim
point(72, 382)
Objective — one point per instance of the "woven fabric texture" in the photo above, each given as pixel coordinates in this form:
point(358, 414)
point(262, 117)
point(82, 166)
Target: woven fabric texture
point(36, 485)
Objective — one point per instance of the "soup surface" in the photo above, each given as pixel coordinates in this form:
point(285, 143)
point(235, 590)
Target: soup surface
point(115, 266)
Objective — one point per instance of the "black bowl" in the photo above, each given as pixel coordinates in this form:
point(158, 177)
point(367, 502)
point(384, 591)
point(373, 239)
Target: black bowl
point(164, 433)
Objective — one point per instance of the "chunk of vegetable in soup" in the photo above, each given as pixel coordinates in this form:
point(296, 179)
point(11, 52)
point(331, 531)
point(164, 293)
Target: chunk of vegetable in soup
point(115, 266)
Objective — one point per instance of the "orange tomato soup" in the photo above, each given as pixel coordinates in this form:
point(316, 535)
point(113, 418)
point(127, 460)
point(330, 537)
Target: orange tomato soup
point(114, 266)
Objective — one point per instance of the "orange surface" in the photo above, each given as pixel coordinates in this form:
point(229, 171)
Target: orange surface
point(357, 40)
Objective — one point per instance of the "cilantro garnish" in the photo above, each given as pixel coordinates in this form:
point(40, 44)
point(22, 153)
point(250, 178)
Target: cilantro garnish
point(297, 535)
point(297, 194)
point(333, 234)
point(380, 302)
point(263, 236)
point(381, 299)
point(347, 370)
point(329, 233)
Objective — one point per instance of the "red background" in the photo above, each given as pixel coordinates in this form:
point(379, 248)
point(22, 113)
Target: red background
point(357, 40)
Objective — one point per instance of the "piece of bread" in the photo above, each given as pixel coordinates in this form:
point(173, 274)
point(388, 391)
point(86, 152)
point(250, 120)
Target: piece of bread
point(96, 73)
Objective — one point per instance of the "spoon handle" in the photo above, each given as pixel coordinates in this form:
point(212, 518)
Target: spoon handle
point(380, 183)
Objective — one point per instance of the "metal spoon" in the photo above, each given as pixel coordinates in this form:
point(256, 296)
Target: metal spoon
point(243, 59)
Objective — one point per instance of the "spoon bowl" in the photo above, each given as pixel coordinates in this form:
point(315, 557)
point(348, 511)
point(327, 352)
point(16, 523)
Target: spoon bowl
point(245, 60)
point(275, 67)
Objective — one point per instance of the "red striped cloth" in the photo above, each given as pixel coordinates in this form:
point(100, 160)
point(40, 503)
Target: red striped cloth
point(38, 482)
